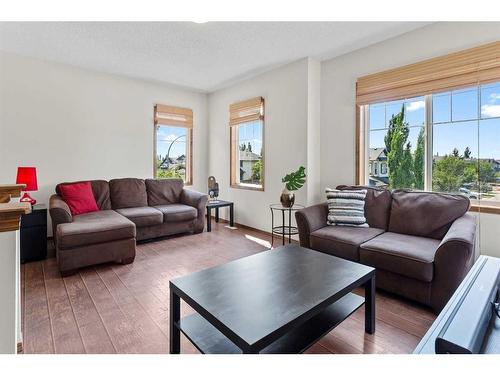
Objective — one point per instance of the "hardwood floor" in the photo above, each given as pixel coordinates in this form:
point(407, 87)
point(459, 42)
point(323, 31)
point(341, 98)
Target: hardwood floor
point(124, 308)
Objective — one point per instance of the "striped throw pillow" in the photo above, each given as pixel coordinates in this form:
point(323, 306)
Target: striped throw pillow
point(346, 207)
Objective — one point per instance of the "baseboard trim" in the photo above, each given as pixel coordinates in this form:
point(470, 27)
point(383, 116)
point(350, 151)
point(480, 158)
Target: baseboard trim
point(243, 226)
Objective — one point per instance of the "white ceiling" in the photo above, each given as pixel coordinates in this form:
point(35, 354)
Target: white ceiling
point(204, 56)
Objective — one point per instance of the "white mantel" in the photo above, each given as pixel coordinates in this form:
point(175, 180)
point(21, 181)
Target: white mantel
point(10, 301)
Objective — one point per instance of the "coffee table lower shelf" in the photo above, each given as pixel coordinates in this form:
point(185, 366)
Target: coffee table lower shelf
point(207, 339)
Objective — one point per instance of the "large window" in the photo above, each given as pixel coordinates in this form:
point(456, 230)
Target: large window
point(446, 142)
point(173, 143)
point(247, 144)
point(445, 136)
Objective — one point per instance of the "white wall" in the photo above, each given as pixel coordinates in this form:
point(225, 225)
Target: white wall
point(75, 124)
point(285, 91)
point(314, 190)
point(338, 90)
point(489, 234)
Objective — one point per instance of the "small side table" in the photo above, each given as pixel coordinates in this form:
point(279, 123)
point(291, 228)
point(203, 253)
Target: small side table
point(33, 234)
point(284, 229)
point(218, 204)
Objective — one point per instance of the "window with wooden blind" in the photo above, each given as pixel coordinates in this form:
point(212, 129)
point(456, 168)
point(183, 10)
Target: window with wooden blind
point(246, 123)
point(173, 143)
point(434, 125)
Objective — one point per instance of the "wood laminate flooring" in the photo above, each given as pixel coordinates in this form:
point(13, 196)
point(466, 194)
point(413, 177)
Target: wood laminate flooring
point(116, 308)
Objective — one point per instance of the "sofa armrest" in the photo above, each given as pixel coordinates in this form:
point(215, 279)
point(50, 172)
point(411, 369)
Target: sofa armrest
point(453, 259)
point(199, 201)
point(194, 199)
point(59, 210)
point(310, 219)
point(59, 214)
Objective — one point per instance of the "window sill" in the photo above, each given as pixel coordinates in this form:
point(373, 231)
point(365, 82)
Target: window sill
point(485, 209)
point(248, 187)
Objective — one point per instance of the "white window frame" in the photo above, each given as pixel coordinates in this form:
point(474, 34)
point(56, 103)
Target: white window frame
point(365, 126)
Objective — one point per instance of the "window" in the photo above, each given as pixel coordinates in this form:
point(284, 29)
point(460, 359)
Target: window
point(383, 168)
point(396, 143)
point(466, 143)
point(434, 125)
point(247, 144)
point(173, 143)
point(457, 150)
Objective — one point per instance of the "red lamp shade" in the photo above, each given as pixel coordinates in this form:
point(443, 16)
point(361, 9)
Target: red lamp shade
point(27, 176)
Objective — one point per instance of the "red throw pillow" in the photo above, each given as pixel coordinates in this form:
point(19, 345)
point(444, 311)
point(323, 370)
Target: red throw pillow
point(79, 197)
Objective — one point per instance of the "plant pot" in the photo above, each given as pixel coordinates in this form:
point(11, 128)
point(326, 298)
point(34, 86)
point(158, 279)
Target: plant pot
point(287, 198)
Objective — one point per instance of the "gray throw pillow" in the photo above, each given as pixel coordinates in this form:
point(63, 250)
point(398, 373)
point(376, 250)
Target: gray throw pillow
point(346, 207)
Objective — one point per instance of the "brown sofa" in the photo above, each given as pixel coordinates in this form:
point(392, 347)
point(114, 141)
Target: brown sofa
point(422, 244)
point(130, 209)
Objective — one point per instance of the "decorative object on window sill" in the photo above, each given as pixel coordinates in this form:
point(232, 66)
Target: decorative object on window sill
point(27, 176)
point(293, 181)
point(213, 188)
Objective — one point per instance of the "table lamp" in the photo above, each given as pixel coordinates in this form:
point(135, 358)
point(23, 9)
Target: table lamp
point(27, 176)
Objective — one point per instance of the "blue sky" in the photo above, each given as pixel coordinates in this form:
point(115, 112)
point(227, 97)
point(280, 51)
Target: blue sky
point(164, 137)
point(456, 121)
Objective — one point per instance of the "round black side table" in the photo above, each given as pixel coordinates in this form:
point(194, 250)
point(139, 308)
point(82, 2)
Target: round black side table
point(284, 229)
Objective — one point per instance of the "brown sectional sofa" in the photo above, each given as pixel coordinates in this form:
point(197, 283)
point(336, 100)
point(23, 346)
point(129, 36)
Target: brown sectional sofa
point(422, 244)
point(130, 209)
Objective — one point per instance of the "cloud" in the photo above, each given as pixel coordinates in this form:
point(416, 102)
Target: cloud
point(169, 138)
point(494, 97)
point(490, 110)
point(415, 106)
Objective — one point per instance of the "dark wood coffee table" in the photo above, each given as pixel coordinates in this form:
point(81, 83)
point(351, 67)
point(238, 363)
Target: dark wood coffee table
point(279, 301)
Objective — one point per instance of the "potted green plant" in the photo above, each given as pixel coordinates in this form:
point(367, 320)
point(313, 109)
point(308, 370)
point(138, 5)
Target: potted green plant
point(293, 181)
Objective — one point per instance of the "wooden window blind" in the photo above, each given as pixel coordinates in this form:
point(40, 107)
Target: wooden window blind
point(170, 115)
point(246, 111)
point(457, 70)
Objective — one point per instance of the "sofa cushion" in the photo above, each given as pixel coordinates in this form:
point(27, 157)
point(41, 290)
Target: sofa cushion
point(346, 207)
point(142, 216)
point(92, 228)
point(177, 212)
point(425, 214)
point(377, 205)
point(164, 191)
point(128, 192)
point(79, 197)
point(100, 189)
point(342, 241)
point(403, 254)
